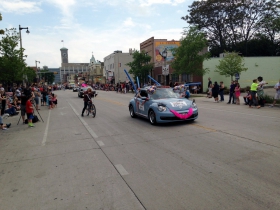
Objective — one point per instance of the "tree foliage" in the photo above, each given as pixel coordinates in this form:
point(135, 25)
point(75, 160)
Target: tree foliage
point(231, 64)
point(140, 66)
point(46, 75)
point(1, 30)
point(12, 65)
point(30, 75)
point(189, 56)
point(230, 22)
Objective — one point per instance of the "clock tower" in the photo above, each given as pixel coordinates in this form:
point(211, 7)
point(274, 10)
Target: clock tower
point(64, 55)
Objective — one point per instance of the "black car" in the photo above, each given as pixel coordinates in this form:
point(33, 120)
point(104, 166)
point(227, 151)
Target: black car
point(82, 90)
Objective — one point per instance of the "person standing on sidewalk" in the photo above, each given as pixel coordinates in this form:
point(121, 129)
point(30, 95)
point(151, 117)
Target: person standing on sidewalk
point(277, 94)
point(215, 92)
point(231, 92)
point(29, 111)
point(254, 88)
point(237, 93)
point(221, 91)
point(260, 91)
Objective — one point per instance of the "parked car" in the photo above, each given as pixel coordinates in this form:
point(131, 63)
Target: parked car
point(82, 90)
point(162, 105)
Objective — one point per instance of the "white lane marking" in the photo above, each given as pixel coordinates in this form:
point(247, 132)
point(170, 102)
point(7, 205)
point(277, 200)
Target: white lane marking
point(100, 143)
point(62, 113)
point(62, 107)
point(121, 169)
point(46, 130)
point(84, 123)
point(199, 107)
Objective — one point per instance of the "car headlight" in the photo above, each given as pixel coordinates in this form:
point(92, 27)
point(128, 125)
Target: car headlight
point(194, 105)
point(161, 108)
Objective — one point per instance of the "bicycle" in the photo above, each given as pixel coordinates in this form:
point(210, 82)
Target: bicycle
point(91, 109)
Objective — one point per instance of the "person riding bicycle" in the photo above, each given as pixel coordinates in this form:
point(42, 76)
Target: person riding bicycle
point(87, 97)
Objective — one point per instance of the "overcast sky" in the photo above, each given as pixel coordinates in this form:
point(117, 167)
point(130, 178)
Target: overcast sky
point(86, 26)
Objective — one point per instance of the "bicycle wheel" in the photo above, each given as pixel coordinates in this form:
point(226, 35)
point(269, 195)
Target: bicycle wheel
point(93, 110)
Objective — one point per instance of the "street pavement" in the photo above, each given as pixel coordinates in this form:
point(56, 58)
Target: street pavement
point(227, 159)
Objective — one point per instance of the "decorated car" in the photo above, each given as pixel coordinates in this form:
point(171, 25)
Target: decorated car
point(162, 105)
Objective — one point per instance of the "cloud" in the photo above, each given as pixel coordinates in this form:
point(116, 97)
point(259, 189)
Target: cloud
point(147, 3)
point(67, 10)
point(129, 22)
point(20, 7)
point(101, 42)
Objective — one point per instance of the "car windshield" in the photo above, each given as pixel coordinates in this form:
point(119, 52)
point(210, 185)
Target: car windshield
point(164, 93)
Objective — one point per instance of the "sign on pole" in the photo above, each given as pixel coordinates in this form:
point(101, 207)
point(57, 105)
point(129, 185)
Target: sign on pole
point(237, 76)
point(165, 70)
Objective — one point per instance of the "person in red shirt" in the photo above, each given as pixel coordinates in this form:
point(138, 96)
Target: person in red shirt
point(29, 111)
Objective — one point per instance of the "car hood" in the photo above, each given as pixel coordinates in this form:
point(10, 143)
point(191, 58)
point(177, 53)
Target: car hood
point(176, 104)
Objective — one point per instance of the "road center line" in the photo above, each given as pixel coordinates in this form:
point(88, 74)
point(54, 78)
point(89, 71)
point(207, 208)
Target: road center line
point(243, 113)
point(203, 127)
point(92, 133)
point(46, 130)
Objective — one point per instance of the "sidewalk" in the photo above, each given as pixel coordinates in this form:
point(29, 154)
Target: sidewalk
point(268, 91)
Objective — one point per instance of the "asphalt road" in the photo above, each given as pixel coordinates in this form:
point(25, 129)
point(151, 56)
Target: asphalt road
point(227, 159)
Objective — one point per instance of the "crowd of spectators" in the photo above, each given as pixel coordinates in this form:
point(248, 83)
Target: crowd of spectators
point(254, 96)
point(24, 100)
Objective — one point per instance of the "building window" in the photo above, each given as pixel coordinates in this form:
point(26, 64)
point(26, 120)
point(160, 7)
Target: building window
point(175, 78)
point(186, 78)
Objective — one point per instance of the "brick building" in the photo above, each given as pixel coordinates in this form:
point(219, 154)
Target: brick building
point(155, 48)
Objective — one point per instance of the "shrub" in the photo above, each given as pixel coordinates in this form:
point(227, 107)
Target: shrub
point(268, 99)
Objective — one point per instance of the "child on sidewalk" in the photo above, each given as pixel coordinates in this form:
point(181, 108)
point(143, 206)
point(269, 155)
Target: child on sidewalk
point(50, 100)
point(54, 100)
point(29, 111)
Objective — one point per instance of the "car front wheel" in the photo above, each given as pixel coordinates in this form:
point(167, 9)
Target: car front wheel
point(152, 117)
point(131, 111)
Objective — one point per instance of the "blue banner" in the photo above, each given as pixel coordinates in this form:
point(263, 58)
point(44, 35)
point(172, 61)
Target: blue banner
point(135, 90)
point(138, 82)
point(156, 82)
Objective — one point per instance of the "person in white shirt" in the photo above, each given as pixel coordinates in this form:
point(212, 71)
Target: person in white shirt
point(260, 91)
point(277, 94)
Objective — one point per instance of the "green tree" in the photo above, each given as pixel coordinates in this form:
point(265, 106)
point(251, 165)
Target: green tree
point(140, 66)
point(12, 64)
point(47, 75)
point(189, 56)
point(30, 74)
point(1, 30)
point(229, 22)
point(231, 64)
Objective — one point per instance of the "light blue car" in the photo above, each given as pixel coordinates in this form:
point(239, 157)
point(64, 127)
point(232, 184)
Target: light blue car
point(162, 105)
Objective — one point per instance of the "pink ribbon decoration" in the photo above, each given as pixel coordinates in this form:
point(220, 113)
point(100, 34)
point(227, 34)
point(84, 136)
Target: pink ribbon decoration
point(182, 116)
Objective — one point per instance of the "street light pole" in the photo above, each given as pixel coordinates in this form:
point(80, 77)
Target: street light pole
point(164, 55)
point(27, 31)
point(37, 75)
